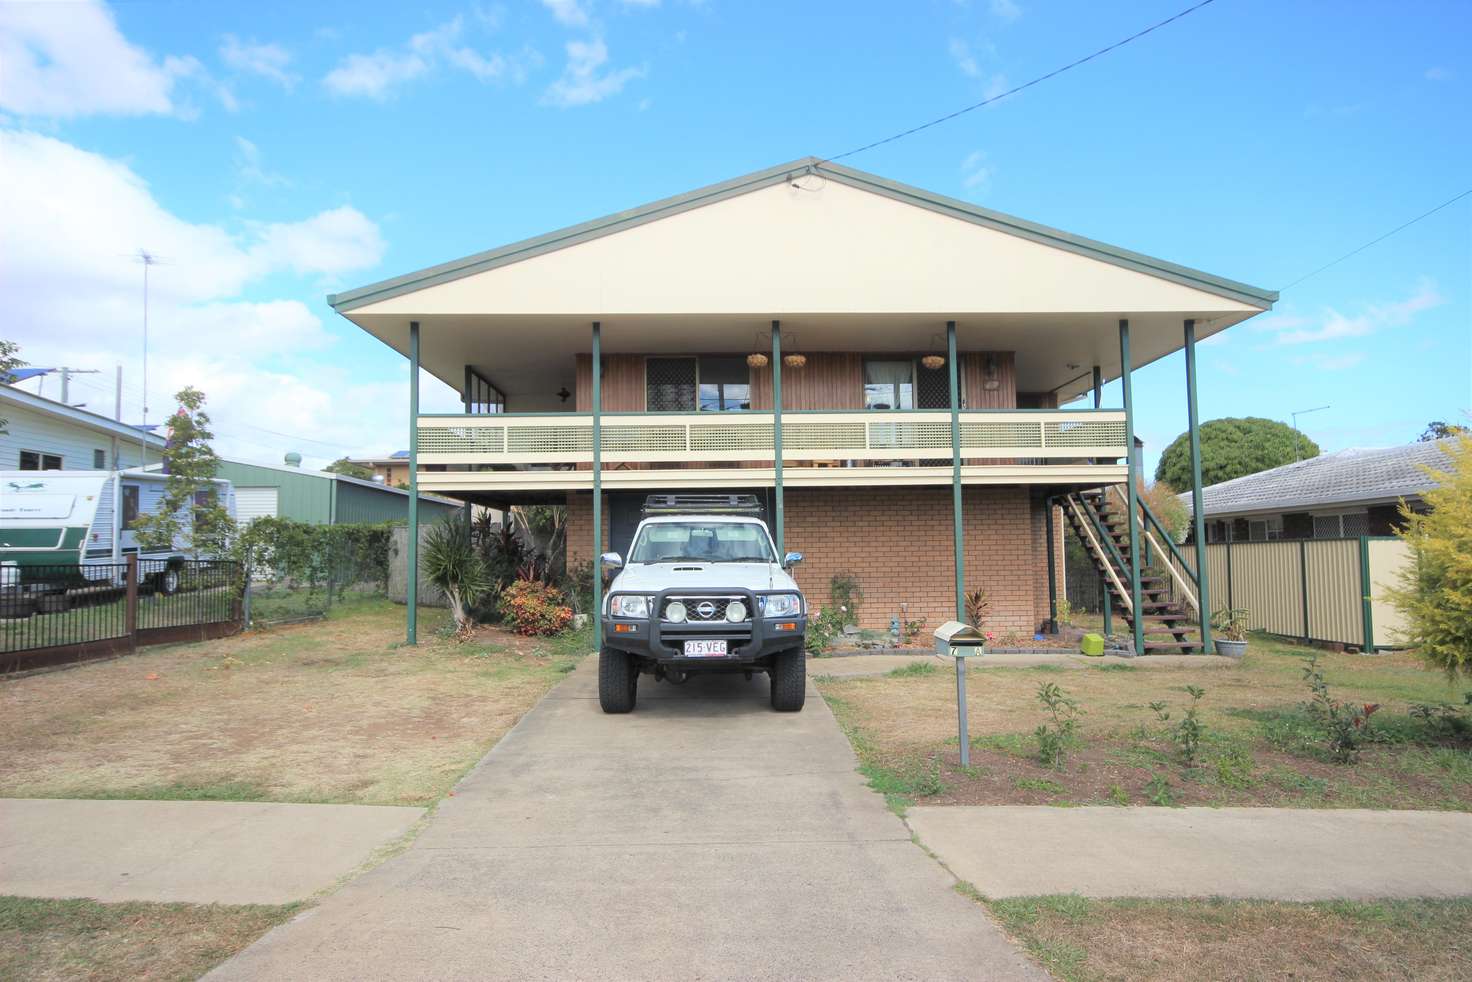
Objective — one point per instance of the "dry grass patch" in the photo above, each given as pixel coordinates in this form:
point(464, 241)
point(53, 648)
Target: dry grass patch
point(1258, 747)
point(83, 939)
point(334, 711)
point(1084, 940)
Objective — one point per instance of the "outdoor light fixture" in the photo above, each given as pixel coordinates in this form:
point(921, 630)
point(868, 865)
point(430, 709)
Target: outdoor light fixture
point(990, 382)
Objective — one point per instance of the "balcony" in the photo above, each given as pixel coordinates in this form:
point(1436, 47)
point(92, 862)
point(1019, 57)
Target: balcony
point(541, 452)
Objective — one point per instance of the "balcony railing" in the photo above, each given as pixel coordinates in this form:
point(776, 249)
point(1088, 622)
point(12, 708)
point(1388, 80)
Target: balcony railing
point(520, 440)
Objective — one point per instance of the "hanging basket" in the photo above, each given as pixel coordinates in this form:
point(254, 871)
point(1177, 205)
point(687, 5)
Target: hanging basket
point(933, 362)
point(794, 361)
point(757, 360)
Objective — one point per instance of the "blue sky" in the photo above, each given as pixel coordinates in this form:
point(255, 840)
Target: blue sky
point(275, 152)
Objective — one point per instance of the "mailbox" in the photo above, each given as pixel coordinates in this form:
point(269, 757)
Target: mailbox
point(957, 640)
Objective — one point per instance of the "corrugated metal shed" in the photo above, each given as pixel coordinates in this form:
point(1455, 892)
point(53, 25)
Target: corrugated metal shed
point(320, 497)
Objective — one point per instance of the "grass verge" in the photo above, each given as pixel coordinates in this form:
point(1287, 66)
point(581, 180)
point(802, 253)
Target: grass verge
point(82, 939)
point(1083, 940)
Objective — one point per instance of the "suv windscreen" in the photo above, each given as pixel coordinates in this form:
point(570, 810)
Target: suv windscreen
point(706, 542)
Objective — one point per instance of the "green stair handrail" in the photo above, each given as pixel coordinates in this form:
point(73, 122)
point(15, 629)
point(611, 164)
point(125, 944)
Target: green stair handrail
point(1170, 543)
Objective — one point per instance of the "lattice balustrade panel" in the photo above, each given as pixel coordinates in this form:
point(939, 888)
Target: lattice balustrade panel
point(644, 438)
point(909, 436)
point(462, 439)
point(717, 437)
point(822, 436)
point(574, 438)
point(986, 434)
point(1085, 433)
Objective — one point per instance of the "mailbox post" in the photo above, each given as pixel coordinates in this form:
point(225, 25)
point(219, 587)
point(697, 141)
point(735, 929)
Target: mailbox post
point(959, 642)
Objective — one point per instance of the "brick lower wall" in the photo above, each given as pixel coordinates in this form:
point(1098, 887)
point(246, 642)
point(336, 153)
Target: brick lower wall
point(897, 542)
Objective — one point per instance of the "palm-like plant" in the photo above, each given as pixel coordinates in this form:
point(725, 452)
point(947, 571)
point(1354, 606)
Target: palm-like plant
point(452, 564)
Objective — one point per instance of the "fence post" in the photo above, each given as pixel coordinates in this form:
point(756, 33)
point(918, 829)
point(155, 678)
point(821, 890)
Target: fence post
point(130, 616)
point(1303, 582)
point(245, 598)
point(1231, 601)
point(1367, 610)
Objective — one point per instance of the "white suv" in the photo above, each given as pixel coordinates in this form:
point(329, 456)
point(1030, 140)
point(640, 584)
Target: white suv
point(702, 591)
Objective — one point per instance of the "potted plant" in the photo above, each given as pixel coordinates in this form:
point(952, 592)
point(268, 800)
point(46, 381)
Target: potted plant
point(1230, 629)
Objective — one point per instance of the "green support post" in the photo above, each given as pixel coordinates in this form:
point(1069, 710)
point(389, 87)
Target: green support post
point(957, 515)
point(1132, 494)
point(1198, 520)
point(1108, 611)
point(1367, 608)
point(411, 596)
point(1098, 386)
point(777, 433)
point(1052, 576)
point(597, 367)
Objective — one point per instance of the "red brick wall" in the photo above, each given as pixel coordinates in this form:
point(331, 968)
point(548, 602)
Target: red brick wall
point(897, 542)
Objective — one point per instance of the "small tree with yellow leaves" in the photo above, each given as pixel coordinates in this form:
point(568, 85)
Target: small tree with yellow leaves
point(1435, 590)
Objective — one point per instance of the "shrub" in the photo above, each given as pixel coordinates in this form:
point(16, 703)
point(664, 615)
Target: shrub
point(1056, 736)
point(846, 596)
point(453, 565)
point(1345, 728)
point(823, 630)
point(978, 608)
point(1435, 591)
point(535, 609)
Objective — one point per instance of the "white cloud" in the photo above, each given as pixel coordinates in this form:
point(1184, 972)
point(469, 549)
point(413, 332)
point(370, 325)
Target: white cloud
point(270, 61)
point(1331, 325)
point(1006, 10)
point(965, 60)
point(975, 174)
point(375, 75)
point(582, 83)
point(73, 294)
point(569, 13)
point(69, 59)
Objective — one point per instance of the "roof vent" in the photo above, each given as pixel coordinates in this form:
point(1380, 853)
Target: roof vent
point(293, 459)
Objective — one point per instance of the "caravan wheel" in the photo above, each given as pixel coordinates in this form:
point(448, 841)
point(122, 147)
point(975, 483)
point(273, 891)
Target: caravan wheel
point(167, 582)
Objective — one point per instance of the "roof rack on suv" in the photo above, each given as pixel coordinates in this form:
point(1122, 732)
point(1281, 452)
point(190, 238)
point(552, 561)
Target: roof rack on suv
point(702, 504)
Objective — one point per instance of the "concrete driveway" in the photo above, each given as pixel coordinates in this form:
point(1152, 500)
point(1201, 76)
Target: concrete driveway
point(702, 837)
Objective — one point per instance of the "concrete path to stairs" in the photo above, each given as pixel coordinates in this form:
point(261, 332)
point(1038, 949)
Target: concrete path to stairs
point(1262, 853)
point(701, 837)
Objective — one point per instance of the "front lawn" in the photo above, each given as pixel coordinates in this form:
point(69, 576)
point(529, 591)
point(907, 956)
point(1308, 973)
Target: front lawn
point(1083, 940)
point(44, 940)
point(1257, 746)
point(334, 711)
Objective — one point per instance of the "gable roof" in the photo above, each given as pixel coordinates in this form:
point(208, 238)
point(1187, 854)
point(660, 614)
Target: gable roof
point(1355, 476)
point(787, 173)
point(80, 417)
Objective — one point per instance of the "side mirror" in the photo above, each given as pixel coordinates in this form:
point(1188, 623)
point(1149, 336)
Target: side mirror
point(791, 559)
point(611, 561)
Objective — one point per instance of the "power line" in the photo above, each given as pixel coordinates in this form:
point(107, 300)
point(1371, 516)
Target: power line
point(1025, 85)
point(1376, 241)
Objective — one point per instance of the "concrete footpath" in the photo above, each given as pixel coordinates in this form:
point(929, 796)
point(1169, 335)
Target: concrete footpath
point(224, 852)
point(859, 666)
point(701, 837)
point(1264, 853)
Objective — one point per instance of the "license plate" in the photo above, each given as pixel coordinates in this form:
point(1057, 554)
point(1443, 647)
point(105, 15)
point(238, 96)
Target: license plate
point(704, 649)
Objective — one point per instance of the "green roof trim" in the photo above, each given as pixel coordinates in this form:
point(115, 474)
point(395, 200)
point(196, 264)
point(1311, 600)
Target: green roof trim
point(965, 211)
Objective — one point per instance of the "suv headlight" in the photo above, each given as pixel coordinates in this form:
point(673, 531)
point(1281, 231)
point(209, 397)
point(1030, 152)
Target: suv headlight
point(781, 605)
point(629, 605)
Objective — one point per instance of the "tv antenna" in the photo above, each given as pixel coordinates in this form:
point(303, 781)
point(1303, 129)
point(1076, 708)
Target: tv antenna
point(147, 259)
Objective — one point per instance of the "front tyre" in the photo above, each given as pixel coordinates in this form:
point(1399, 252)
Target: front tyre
point(789, 680)
point(618, 680)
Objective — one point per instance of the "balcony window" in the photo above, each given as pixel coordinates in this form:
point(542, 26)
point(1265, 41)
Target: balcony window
point(480, 396)
point(725, 384)
point(669, 385)
point(889, 384)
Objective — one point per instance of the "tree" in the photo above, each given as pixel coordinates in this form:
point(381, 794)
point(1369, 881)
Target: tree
point(1233, 448)
point(1439, 430)
point(347, 468)
point(191, 464)
point(1434, 592)
point(1161, 499)
point(9, 362)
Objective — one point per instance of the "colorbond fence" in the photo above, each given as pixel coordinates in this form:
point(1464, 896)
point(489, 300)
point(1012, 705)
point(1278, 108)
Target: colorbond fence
point(1329, 590)
point(70, 613)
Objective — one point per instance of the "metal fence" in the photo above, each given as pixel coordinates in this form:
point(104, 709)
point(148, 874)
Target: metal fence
point(72, 611)
point(1330, 590)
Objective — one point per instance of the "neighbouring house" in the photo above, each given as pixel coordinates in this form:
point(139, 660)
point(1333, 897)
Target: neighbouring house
point(321, 497)
point(392, 470)
point(45, 435)
point(1336, 495)
point(873, 360)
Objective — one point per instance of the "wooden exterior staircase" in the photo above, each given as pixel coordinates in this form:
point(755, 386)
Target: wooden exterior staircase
point(1168, 616)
